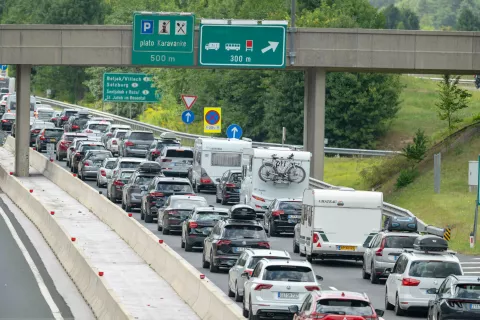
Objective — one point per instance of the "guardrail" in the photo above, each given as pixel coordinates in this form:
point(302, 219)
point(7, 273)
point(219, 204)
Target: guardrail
point(188, 138)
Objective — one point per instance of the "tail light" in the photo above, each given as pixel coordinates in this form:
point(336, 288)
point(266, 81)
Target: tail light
point(129, 144)
point(263, 287)
point(4, 120)
point(410, 282)
point(114, 142)
point(53, 119)
point(230, 185)
point(455, 303)
point(78, 154)
point(249, 271)
point(172, 212)
point(315, 238)
point(205, 180)
point(64, 118)
point(277, 213)
point(258, 198)
point(75, 127)
point(88, 131)
point(379, 252)
point(166, 160)
point(103, 173)
point(312, 288)
point(156, 152)
point(118, 183)
point(264, 244)
point(86, 164)
point(109, 134)
point(156, 194)
point(42, 138)
point(35, 131)
point(221, 242)
point(193, 225)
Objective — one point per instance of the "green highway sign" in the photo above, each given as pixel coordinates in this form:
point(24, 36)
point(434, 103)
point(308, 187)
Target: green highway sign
point(163, 39)
point(242, 46)
point(129, 87)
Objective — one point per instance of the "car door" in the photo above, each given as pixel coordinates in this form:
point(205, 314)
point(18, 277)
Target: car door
point(268, 215)
point(306, 308)
point(162, 210)
point(395, 278)
point(207, 243)
point(247, 286)
point(368, 255)
point(127, 187)
point(221, 185)
point(234, 272)
point(444, 288)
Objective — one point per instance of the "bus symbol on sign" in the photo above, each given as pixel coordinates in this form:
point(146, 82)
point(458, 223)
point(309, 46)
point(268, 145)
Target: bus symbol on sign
point(249, 45)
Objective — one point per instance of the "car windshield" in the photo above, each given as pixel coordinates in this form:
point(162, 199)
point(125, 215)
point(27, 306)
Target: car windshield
point(98, 127)
point(255, 260)
point(99, 157)
point(125, 175)
point(143, 180)
point(70, 113)
point(288, 273)
point(179, 153)
point(434, 269)
point(189, 204)
point(348, 307)
point(290, 206)
point(236, 177)
point(129, 165)
point(399, 242)
point(141, 136)
point(53, 133)
point(110, 164)
point(244, 232)
point(468, 291)
point(210, 215)
point(87, 147)
point(174, 187)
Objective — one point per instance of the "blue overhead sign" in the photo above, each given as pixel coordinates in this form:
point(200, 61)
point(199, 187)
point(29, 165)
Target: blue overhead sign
point(234, 131)
point(3, 67)
point(187, 116)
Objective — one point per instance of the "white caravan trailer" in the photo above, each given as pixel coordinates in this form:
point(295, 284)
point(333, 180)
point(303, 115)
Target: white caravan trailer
point(212, 157)
point(272, 173)
point(336, 223)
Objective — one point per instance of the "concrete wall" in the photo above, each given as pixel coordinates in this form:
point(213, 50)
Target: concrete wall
point(333, 49)
point(206, 299)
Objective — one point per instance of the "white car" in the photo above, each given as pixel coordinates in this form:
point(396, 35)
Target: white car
point(95, 129)
point(126, 163)
point(111, 128)
point(114, 141)
point(73, 148)
point(417, 271)
point(245, 263)
point(276, 285)
point(105, 172)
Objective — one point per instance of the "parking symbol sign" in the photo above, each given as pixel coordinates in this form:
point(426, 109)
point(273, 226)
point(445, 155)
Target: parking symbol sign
point(147, 27)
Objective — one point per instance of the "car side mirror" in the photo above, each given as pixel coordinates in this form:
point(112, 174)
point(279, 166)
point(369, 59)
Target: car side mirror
point(379, 312)
point(432, 291)
point(245, 275)
point(293, 309)
point(388, 270)
point(319, 278)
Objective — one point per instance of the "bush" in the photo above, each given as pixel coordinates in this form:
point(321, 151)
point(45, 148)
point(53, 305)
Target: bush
point(406, 177)
point(416, 152)
point(377, 175)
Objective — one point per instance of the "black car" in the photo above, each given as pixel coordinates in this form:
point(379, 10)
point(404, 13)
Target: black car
point(46, 136)
point(35, 129)
point(116, 184)
point(77, 122)
point(7, 121)
point(457, 298)
point(199, 225)
point(64, 116)
point(176, 210)
point(157, 192)
point(282, 215)
point(230, 237)
point(228, 187)
point(157, 146)
point(82, 149)
point(132, 192)
point(135, 144)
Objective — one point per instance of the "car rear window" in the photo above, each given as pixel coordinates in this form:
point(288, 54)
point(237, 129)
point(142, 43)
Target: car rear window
point(244, 232)
point(174, 187)
point(226, 159)
point(255, 260)
point(121, 134)
point(290, 206)
point(288, 273)
point(143, 180)
point(129, 165)
point(87, 147)
point(98, 127)
point(235, 177)
point(101, 156)
point(125, 175)
point(57, 133)
point(70, 113)
point(399, 242)
point(110, 164)
point(434, 269)
point(210, 215)
point(80, 122)
point(349, 307)
point(141, 136)
point(9, 116)
point(468, 291)
point(179, 153)
point(189, 204)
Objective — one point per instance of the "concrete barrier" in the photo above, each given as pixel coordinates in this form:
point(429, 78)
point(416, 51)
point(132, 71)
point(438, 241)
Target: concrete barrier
point(206, 299)
point(94, 290)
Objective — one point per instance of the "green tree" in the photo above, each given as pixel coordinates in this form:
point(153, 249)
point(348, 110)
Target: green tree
point(403, 18)
point(467, 21)
point(452, 99)
point(416, 152)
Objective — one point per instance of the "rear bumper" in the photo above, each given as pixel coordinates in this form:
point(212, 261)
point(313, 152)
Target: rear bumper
point(275, 312)
point(283, 226)
point(409, 302)
point(173, 227)
point(195, 241)
point(210, 186)
point(135, 152)
point(225, 261)
point(380, 268)
point(90, 173)
point(333, 254)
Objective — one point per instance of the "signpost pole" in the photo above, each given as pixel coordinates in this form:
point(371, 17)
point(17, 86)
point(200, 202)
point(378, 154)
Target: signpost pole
point(475, 220)
point(293, 29)
point(284, 133)
point(130, 110)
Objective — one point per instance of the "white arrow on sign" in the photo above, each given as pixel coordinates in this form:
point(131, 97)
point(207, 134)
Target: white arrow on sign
point(271, 45)
point(234, 130)
point(188, 115)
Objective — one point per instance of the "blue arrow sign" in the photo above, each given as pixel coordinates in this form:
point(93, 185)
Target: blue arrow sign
point(3, 67)
point(187, 116)
point(234, 131)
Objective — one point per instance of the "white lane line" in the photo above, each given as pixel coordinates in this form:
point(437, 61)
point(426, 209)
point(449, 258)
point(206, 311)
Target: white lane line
point(472, 272)
point(333, 288)
point(471, 268)
point(38, 277)
point(477, 263)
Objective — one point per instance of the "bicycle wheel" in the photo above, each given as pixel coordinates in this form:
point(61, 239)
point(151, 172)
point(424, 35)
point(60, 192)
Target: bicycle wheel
point(266, 172)
point(296, 174)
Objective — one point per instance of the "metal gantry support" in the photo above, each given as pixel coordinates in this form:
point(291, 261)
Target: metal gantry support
point(22, 121)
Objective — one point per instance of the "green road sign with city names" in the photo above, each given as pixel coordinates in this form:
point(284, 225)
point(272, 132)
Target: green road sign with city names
point(242, 46)
point(163, 39)
point(129, 87)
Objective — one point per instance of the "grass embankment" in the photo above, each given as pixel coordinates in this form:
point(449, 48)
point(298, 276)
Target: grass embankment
point(454, 205)
point(345, 172)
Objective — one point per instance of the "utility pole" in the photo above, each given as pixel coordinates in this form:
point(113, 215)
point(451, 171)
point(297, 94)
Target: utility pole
point(293, 30)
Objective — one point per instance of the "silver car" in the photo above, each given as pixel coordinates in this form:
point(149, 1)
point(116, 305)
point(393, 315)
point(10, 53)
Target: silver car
point(72, 149)
point(175, 161)
point(105, 171)
point(91, 163)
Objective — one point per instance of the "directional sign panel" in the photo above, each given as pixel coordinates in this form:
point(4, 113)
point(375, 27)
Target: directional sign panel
point(212, 120)
point(3, 67)
point(187, 116)
point(161, 39)
point(242, 46)
point(129, 87)
point(234, 131)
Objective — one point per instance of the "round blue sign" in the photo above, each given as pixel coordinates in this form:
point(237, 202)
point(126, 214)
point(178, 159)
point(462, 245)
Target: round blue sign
point(187, 116)
point(212, 117)
point(234, 131)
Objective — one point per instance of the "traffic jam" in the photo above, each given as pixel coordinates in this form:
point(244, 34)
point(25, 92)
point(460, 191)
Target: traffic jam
point(262, 194)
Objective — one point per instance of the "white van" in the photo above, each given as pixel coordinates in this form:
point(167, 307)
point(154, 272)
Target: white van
point(213, 157)
point(44, 113)
point(12, 104)
point(336, 223)
point(271, 173)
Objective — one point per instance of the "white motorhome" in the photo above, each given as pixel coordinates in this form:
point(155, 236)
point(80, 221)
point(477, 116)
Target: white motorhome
point(272, 173)
point(336, 223)
point(212, 157)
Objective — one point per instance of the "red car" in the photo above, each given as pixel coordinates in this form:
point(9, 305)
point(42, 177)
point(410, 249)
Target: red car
point(336, 305)
point(64, 143)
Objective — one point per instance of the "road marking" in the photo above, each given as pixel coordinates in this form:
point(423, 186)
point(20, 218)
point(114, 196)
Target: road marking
point(38, 277)
point(472, 272)
point(333, 288)
point(477, 263)
point(471, 268)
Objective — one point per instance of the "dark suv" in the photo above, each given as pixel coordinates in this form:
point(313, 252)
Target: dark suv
point(230, 237)
point(199, 225)
point(132, 192)
point(157, 192)
point(228, 187)
point(64, 116)
point(157, 146)
point(282, 215)
point(82, 149)
point(136, 144)
point(77, 122)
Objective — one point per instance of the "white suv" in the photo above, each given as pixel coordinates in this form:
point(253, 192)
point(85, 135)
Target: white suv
point(417, 271)
point(275, 285)
point(245, 264)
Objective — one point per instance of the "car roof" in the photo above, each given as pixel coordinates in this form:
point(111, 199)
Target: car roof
point(90, 142)
point(126, 170)
point(268, 252)
point(96, 122)
point(179, 197)
point(282, 262)
point(212, 209)
point(290, 199)
point(400, 233)
point(170, 179)
point(177, 148)
point(337, 294)
point(131, 159)
point(141, 131)
point(416, 255)
point(242, 222)
point(466, 279)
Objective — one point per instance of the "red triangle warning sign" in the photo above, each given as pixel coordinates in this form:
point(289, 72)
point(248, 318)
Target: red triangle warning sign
point(189, 101)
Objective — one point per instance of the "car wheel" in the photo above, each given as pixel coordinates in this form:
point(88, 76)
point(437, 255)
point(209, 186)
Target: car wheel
point(388, 305)
point(271, 228)
point(302, 254)
point(82, 177)
point(142, 214)
point(128, 208)
point(123, 205)
point(216, 198)
point(238, 297)
point(205, 264)
point(182, 243)
point(98, 184)
point(224, 202)
point(245, 311)
point(296, 248)
point(165, 231)
point(373, 276)
point(309, 258)
point(251, 316)
point(365, 275)
point(231, 294)
point(213, 267)
point(188, 247)
point(149, 219)
point(398, 311)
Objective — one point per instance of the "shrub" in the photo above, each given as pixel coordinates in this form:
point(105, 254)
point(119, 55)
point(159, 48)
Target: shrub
point(377, 175)
point(406, 177)
point(416, 152)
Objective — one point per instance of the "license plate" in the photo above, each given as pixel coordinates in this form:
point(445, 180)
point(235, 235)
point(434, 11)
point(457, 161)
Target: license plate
point(238, 249)
point(292, 220)
point(475, 306)
point(288, 295)
point(346, 248)
point(292, 216)
point(52, 140)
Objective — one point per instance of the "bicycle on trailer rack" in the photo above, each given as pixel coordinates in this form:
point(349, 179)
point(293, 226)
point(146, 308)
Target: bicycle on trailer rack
point(281, 169)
